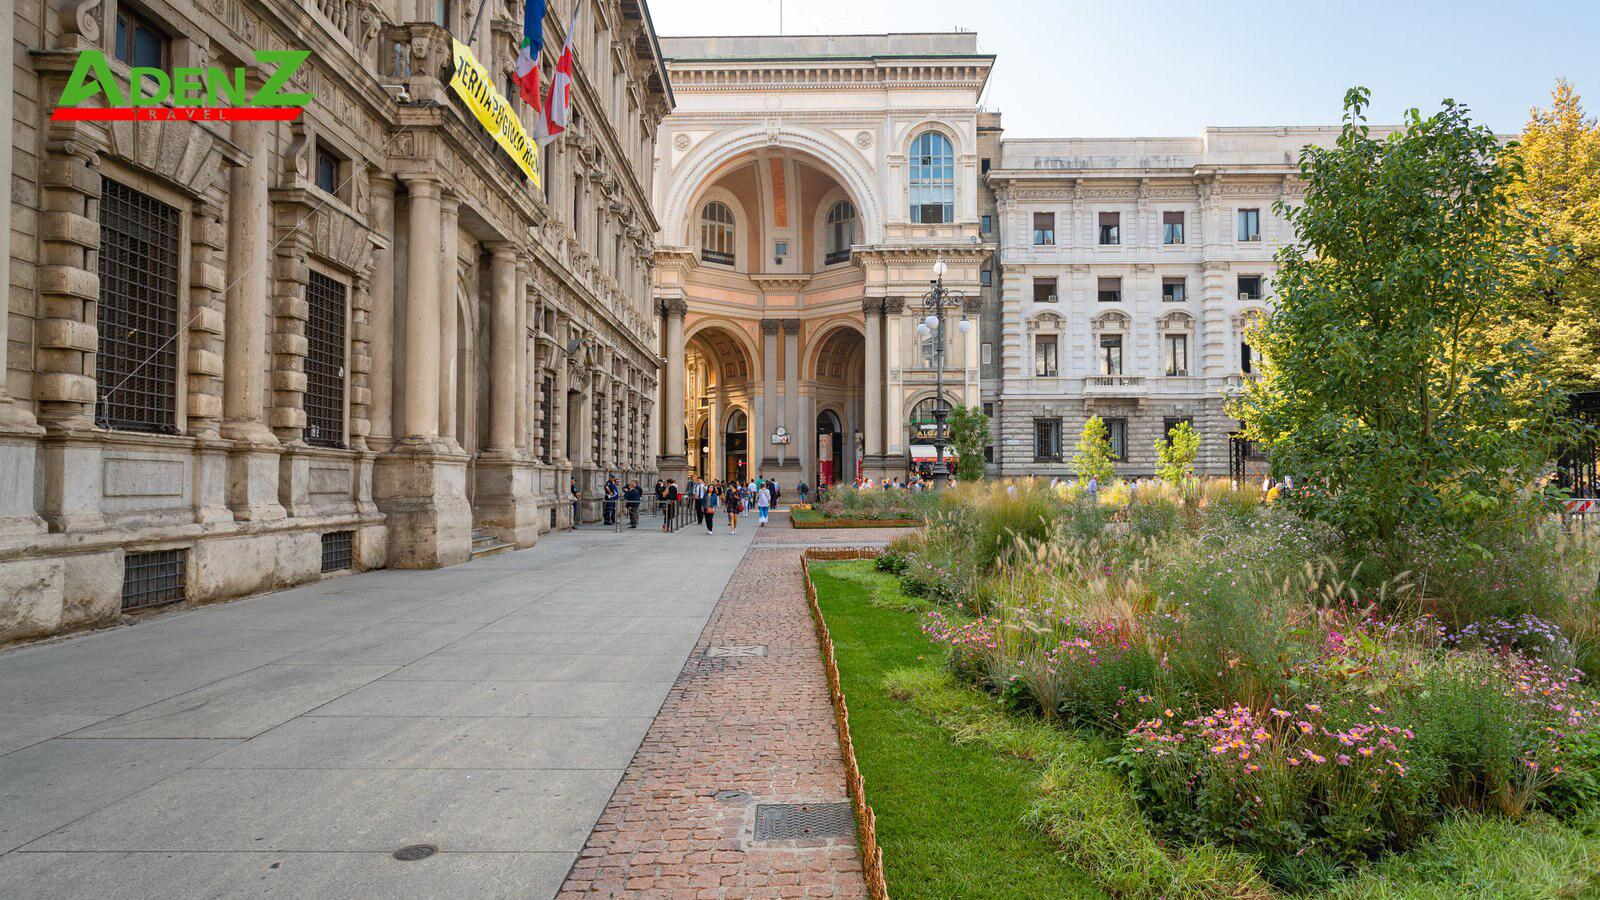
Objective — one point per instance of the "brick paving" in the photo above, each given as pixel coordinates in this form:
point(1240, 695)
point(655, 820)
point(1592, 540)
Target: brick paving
point(760, 725)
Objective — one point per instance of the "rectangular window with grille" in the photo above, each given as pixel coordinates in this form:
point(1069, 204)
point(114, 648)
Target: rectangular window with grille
point(154, 579)
point(1046, 440)
point(338, 550)
point(325, 361)
point(546, 427)
point(137, 363)
point(597, 421)
point(1117, 435)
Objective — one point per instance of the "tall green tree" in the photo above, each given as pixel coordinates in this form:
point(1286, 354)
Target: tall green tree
point(1386, 390)
point(1093, 458)
point(969, 433)
point(1558, 305)
point(1176, 452)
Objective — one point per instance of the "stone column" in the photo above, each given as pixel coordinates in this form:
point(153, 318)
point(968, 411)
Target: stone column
point(502, 351)
point(520, 351)
point(894, 424)
point(420, 420)
point(558, 404)
point(382, 337)
point(873, 393)
point(503, 503)
point(252, 464)
point(449, 266)
point(768, 406)
point(791, 387)
point(675, 461)
point(17, 429)
point(420, 484)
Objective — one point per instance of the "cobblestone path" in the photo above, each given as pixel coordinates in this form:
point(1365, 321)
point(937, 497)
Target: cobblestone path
point(761, 726)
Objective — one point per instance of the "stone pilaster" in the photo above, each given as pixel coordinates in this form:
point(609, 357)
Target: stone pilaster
point(449, 268)
point(286, 412)
point(873, 391)
point(674, 461)
point(767, 408)
point(382, 329)
point(207, 280)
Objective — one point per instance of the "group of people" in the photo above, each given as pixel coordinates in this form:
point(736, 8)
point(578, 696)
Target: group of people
point(732, 498)
point(913, 483)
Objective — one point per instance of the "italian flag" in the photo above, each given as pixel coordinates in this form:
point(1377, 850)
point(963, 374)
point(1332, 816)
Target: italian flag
point(528, 56)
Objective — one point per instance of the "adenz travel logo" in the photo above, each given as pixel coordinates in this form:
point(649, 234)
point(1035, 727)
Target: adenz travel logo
point(186, 94)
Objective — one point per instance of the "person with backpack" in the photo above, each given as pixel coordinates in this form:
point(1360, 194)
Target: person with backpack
point(763, 504)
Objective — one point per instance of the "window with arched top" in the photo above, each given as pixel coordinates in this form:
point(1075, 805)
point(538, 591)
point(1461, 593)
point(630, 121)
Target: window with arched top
point(841, 227)
point(738, 423)
point(716, 233)
point(933, 179)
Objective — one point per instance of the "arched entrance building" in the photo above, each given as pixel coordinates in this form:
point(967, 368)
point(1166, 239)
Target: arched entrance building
point(794, 252)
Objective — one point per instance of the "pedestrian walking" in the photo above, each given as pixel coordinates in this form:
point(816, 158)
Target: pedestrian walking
point(632, 496)
point(763, 505)
point(803, 491)
point(672, 504)
point(735, 507)
point(697, 496)
point(661, 497)
point(709, 505)
point(577, 500)
point(777, 492)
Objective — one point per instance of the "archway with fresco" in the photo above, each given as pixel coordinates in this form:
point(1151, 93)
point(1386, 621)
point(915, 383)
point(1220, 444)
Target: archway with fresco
point(838, 374)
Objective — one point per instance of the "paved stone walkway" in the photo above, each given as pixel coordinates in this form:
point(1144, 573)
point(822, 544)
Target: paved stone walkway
point(286, 745)
point(761, 725)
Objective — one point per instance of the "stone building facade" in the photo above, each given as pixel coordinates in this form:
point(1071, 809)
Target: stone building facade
point(1132, 269)
point(807, 186)
point(239, 355)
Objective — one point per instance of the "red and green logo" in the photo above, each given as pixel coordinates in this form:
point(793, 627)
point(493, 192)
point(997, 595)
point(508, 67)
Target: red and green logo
point(187, 93)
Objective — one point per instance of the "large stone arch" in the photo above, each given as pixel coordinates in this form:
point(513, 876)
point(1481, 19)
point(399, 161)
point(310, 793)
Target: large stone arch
point(705, 159)
point(819, 340)
point(738, 337)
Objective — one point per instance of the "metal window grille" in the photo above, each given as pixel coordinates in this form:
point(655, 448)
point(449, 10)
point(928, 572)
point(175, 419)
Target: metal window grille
point(546, 427)
point(137, 364)
point(154, 579)
point(597, 421)
point(338, 550)
point(635, 438)
point(324, 398)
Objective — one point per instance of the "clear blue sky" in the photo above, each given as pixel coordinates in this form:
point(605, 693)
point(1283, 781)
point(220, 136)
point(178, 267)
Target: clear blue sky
point(1071, 68)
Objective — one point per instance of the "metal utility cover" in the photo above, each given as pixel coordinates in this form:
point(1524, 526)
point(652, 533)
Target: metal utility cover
point(799, 821)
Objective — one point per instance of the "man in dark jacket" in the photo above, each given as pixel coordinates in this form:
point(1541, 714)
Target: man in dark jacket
point(632, 496)
point(610, 511)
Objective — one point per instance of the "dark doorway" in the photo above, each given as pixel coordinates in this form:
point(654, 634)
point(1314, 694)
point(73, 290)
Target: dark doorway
point(830, 449)
point(736, 445)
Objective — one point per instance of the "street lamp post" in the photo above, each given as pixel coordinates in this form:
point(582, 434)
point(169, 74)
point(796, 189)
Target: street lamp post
point(934, 303)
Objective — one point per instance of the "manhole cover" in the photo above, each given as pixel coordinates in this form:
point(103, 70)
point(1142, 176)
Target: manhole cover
point(731, 796)
point(414, 852)
point(732, 650)
point(790, 821)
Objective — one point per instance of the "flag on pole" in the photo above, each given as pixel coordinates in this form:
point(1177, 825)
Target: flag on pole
point(528, 55)
point(558, 105)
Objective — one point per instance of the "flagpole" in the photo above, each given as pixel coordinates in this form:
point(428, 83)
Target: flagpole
point(475, 22)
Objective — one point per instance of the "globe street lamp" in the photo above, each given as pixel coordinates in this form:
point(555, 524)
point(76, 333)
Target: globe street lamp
point(934, 304)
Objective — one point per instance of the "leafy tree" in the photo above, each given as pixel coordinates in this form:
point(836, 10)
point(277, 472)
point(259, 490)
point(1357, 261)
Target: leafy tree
point(1558, 305)
point(1093, 458)
point(1176, 452)
point(969, 433)
point(1384, 390)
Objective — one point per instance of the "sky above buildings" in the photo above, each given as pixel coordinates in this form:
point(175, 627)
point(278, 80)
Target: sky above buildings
point(1070, 68)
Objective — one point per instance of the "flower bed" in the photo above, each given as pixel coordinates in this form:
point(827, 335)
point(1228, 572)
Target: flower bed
point(1262, 694)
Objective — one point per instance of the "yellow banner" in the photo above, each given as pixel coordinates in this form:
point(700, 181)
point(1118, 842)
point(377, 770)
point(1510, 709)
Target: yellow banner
point(494, 112)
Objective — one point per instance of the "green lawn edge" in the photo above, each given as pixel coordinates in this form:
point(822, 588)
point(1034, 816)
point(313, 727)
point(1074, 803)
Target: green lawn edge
point(1061, 824)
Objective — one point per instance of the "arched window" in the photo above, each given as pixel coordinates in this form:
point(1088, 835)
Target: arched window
point(841, 232)
point(933, 179)
point(924, 424)
point(716, 233)
point(738, 423)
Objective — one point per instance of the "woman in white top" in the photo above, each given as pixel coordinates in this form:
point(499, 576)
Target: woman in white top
point(763, 504)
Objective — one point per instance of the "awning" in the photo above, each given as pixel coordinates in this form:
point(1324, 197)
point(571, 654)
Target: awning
point(921, 453)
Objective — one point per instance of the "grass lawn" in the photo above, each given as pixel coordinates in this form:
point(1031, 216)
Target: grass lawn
point(951, 818)
point(974, 802)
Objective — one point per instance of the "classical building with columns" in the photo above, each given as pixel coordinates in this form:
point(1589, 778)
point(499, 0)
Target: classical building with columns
point(241, 355)
point(806, 186)
point(1132, 269)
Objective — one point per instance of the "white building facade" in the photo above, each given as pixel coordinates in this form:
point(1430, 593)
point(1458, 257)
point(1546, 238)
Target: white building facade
point(1131, 270)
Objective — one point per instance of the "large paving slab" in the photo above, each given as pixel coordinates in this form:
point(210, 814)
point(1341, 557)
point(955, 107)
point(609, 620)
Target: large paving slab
point(286, 745)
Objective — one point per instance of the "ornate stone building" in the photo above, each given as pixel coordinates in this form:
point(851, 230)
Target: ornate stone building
point(1132, 268)
point(239, 355)
point(806, 187)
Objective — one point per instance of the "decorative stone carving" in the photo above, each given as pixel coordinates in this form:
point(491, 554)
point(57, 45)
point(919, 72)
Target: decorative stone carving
point(864, 139)
point(681, 142)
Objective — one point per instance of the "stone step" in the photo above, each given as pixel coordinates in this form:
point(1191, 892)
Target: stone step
point(486, 544)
